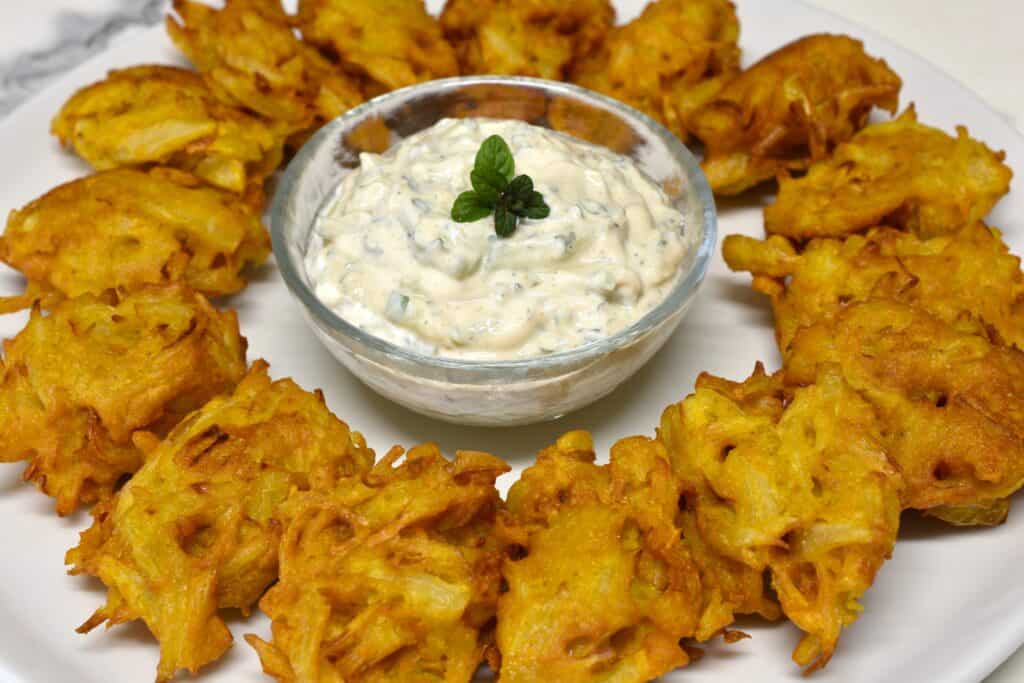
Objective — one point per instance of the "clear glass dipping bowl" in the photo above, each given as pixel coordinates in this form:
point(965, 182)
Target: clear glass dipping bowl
point(501, 393)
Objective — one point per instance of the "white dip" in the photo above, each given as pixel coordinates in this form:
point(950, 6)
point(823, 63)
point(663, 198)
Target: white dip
point(386, 255)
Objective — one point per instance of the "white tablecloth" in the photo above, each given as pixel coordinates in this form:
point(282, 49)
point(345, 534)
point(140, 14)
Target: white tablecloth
point(978, 42)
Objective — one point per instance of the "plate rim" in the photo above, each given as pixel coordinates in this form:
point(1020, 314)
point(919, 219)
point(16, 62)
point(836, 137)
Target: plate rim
point(1003, 641)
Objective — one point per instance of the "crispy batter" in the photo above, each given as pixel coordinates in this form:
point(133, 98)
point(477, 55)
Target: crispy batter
point(133, 361)
point(196, 529)
point(729, 586)
point(537, 38)
point(164, 115)
point(791, 108)
point(387, 43)
point(125, 227)
point(600, 585)
point(797, 486)
point(967, 278)
point(951, 403)
point(899, 173)
point(984, 513)
point(669, 50)
point(389, 577)
point(251, 58)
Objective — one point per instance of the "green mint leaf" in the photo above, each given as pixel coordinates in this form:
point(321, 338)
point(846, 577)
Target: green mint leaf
point(536, 208)
point(520, 187)
point(488, 183)
point(535, 199)
point(495, 156)
point(504, 221)
point(496, 188)
point(469, 207)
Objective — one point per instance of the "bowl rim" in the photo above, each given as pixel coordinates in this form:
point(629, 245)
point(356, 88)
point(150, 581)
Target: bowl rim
point(676, 298)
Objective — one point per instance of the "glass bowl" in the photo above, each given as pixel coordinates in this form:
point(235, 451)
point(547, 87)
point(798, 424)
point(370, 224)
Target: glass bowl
point(499, 393)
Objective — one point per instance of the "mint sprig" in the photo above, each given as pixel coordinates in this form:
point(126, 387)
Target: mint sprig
point(497, 189)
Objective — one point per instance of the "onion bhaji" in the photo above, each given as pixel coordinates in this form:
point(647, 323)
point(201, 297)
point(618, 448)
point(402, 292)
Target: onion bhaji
point(388, 44)
point(539, 38)
point(149, 115)
point(126, 227)
point(795, 486)
point(196, 529)
point(791, 108)
point(674, 48)
point(600, 585)
point(899, 173)
point(250, 57)
point(128, 362)
point(951, 403)
point(966, 278)
point(392, 576)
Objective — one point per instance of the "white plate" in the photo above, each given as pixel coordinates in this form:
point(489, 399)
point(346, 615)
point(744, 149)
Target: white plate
point(948, 608)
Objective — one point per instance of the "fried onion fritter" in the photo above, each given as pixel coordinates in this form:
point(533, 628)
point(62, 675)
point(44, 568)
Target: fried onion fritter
point(390, 577)
point(164, 115)
point(128, 362)
point(950, 402)
point(899, 173)
point(730, 587)
point(600, 585)
point(122, 228)
point(791, 108)
point(250, 57)
point(674, 47)
point(539, 38)
point(389, 44)
point(196, 529)
point(796, 486)
point(968, 278)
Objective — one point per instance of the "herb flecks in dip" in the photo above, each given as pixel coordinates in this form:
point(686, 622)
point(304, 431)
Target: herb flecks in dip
point(387, 256)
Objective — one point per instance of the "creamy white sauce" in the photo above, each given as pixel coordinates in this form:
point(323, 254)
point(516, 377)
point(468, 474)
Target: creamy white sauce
point(386, 256)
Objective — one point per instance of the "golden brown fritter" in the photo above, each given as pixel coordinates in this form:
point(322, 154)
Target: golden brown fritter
point(196, 529)
point(671, 49)
point(791, 108)
point(600, 585)
point(951, 403)
point(149, 115)
point(389, 44)
point(123, 228)
point(966, 278)
point(899, 173)
point(539, 38)
point(250, 57)
point(796, 486)
point(729, 586)
point(389, 577)
point(76, 383)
